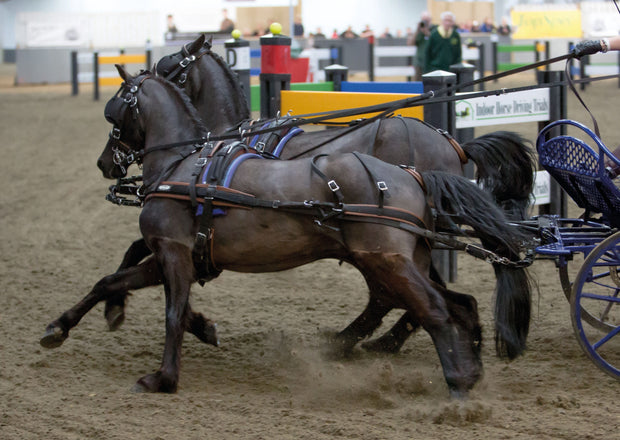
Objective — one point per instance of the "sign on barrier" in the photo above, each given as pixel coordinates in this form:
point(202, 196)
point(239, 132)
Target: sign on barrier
point(525, 106)
point(542, 188)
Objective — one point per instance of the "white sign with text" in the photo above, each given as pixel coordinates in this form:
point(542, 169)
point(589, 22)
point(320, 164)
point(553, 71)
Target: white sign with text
point(510, 108)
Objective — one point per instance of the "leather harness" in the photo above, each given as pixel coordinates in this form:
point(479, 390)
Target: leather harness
point(211, 192)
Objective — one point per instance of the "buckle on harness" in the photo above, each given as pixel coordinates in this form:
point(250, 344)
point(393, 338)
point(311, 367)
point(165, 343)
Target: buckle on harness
point(260, 147)
point(202, 161)
point(201, 239)
point(382, 186)
point(115, 133)
point(333, 185)
point(185, 61)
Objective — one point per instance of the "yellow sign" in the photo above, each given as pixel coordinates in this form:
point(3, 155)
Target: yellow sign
point(546, 24)
point(302, 102)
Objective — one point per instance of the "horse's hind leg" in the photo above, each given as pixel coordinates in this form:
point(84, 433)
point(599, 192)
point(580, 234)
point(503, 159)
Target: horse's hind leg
point(143, 275)
point(392, 340)
point(455, 337)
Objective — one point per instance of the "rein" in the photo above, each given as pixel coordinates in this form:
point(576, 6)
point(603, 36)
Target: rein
point(389, 108)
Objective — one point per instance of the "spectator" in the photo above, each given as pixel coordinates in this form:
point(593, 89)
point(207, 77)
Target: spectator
point(443, 47)
point(475, 26)
point(409, 35)
point(172, 28)
point(348, 34)
point(504, 27)
point(227, 24)
point(298, 27)
point(420, 39)
point(367, 32)
point(487, 25)
point(335, 35)
point(465, 28)
point(319, 34)
point(387, 33)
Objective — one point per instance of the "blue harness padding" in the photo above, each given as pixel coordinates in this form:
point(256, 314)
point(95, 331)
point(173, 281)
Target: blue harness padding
point(267, 139)
point(293, 132)
point(228, 176)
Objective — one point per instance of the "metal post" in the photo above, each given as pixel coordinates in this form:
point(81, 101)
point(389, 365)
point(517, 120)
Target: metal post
point(149, 55)
point(495, 56)
point(557, 110)
point(481, 63)
point(441, 115)
point(465, 73)
point(336, 74)
point(371, 59)
point(96, 76)
point(74, 73)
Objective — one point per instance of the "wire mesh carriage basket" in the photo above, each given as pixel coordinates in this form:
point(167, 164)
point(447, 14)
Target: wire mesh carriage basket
point(583, 170)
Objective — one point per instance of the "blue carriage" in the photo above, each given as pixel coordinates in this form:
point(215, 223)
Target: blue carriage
point(584, 170)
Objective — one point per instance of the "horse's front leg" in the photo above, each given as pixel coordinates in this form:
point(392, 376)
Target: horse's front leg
point(200, 326)
point(175, 261)
point(143, 275)
point(114, 311)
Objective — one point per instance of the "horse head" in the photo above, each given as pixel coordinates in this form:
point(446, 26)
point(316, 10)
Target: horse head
point(207, 79)
point(125, 138)
point(146, 111)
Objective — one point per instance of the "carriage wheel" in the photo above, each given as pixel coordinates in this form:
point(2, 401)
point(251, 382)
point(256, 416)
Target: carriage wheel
point(592, 319)
point(597, 289)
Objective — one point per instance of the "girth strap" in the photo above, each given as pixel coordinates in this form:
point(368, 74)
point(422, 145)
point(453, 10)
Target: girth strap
point(202, 253)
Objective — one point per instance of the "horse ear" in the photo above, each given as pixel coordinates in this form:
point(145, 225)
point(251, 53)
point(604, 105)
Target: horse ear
point(196, 44)
point(209, 42)
point(122, 72)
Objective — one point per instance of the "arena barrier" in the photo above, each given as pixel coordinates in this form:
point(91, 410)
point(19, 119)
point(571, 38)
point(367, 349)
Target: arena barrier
point(379, 53)
point(537, 49)
point(98, 77)
point(302, 102)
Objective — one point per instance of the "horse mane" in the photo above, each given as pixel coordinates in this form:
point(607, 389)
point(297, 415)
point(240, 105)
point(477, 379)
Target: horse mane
point(233, 80)
point(185, 102)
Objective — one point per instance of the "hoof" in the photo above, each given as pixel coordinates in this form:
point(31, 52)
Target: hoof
point(334, 346)
point(382, 345)
point(210, 335)
point(53, 337)
point(154, 383)
point(115, 316)
point(205, 330)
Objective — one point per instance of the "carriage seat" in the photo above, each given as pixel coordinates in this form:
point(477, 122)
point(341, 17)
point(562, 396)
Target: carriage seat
point(580, 170)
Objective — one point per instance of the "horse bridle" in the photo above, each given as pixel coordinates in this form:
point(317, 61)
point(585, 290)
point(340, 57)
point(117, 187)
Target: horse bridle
point(115, 111)
point(182, 61)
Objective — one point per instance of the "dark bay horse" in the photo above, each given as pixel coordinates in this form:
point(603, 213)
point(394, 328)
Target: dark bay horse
point(505, 168)
point(351, 207)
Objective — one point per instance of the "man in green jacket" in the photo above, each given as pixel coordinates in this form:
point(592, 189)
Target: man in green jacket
point(443, 47)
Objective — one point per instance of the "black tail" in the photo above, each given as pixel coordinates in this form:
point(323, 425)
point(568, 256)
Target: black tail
point(506, 167)
point(458, 199)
